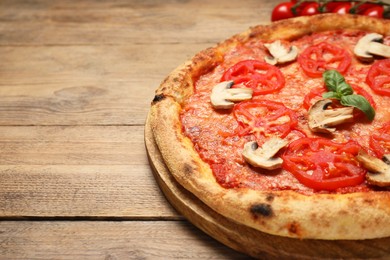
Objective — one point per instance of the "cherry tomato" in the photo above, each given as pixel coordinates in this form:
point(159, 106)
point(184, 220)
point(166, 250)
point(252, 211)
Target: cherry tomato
point(376, 11)
point(282, 11)
point(342, 8)
point(260, 76)
point(329, 7)
point(315, 59)
point(310, 9)
point(362, 8)
point(260, 117)
point(322, 164)
point(300, 7)
point(378, 77)
point(380, 140)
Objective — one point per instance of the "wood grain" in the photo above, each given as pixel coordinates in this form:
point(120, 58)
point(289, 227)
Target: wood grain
point(123, 22)
point(72, 145)
point(73, 171)
point(78, 85)
point(108, 240)
point(86, 191)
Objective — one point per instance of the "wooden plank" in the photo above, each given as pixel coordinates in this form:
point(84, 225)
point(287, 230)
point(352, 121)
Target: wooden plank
point(81, 191)
point(77, 171)
point(23, 65)
point(108, 240)
point(72, 145)
point(83, 85)
point(121, 21)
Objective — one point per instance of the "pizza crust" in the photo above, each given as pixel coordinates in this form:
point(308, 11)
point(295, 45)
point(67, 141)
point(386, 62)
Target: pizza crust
point(284, 213)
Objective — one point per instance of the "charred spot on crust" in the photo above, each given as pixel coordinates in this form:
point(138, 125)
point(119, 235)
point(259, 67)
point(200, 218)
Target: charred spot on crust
point(158, 98)
point(293, 228)
point(369, 202)
point(262, 209)
point(176, 79)
point(187, 169)
point(270, 197)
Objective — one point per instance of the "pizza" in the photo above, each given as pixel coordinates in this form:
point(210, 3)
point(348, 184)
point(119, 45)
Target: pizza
point(285, 128)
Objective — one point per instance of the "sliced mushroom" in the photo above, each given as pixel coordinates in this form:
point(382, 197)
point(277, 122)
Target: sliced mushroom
point(263, 156)
point(280, 54)
point(379, 49)
point(223, 96)
point(379, 171)
point(386, 158)
point(321, 119)
point(369, 45)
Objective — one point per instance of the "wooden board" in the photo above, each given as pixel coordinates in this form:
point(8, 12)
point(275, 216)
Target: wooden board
point(248, 240)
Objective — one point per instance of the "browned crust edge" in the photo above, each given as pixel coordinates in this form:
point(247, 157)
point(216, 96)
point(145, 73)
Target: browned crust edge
point(284, 213)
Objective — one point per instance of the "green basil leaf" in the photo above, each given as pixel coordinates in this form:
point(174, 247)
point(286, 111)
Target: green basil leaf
point(331, 94)
point(344, 89)
point(332, 79)
point(360, 103)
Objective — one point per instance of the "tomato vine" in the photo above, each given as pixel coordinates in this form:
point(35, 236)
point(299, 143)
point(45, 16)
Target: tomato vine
point(294, 8)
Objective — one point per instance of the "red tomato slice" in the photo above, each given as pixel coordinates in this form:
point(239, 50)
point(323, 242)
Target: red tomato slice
point(260, 76)
point(314, 95)
point(315, 59)
point(322, 164)
point(380, 141)
point(262, 117)
point(378, 77)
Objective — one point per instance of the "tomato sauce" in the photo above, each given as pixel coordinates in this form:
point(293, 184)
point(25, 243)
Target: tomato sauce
point(215, 133)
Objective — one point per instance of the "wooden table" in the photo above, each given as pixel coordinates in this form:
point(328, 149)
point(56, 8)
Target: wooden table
point(76, 82)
